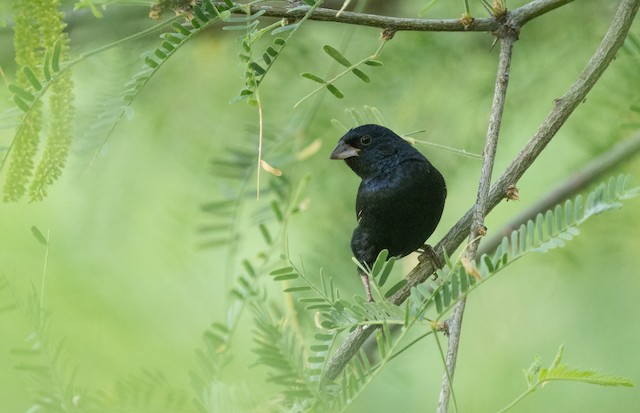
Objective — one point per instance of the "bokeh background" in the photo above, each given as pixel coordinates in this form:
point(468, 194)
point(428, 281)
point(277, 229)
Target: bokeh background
point(131, 284)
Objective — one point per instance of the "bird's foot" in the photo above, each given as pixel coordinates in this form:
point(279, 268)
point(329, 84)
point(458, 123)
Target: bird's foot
point(429, 253)
point(367, 286)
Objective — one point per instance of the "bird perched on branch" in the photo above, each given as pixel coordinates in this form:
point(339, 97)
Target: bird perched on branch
point(400, 199)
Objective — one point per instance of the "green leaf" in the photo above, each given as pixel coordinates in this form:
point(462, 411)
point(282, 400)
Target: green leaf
point(265, 233)
point(38, 235)
point(379, 263)
point(173, 38)
point(211, 9)
point(168, 46)
point(395, 288)
point(322, 307)
point(55, 58)
point(313, 77)
point(335, 91)
point(464, 279)
point(386, 271)
point(361, 75)
point(558, 358)
point(297, 289)
point(21, 103)
point(562, 372)
point(283, 277)
point(283, 29)
point(246, 46)
point(257, 69)
point(21, 92)
point(271, 51)
point(46, 67)
point(181, 29)
point(284, 270)
point(160, 54)
point(439, 304)
point(446, 295)
point(455, 287)
point(531, 374)
point(151, 63)
point(336, 55)
point(372, 62)
point(275, 207)
point(249, 268)
point(197, 11)
point(31, 77)
point(279, 41)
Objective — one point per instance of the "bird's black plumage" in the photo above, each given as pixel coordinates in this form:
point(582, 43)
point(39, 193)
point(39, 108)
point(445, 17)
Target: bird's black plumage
point(401, 196)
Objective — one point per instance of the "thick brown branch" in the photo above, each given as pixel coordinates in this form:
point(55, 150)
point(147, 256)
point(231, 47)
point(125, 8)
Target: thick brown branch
point(563, 107)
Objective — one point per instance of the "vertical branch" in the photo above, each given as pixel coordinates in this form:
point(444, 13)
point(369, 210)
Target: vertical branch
point(508, 37)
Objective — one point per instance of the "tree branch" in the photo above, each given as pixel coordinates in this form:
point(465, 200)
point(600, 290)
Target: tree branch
point(530, 11)
point(611, 159)
point(521, 15)
point(454, 324)
point(562, 108)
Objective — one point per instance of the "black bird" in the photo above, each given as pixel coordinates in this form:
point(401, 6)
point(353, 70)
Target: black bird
point(400, 199)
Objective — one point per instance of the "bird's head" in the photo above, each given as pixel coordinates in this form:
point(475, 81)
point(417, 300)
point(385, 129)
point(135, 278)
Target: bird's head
point(370, 149)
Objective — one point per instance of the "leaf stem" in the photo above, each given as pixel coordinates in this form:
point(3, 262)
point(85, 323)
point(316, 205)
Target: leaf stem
point(518, 399)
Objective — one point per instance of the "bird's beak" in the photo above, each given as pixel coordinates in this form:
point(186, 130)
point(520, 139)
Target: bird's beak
point(344, 151)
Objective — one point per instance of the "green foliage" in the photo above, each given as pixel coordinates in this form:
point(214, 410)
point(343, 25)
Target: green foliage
point(204, 15)
point(349, 68)
point(548, 231)
point(258, 67)
point(278, 348)
point(42, 359)
point(149, 390)
point(537, 377)
point(40, 49)
point(291, 354)
point(277, 345)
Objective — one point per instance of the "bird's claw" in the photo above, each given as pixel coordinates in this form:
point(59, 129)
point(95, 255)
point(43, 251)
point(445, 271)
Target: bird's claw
point(429, 253)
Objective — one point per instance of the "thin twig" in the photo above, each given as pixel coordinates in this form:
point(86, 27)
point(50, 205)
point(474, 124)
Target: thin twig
point(563, 107)
point(522, 15)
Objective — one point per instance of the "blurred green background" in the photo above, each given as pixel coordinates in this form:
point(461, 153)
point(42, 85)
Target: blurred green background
point(130, 286)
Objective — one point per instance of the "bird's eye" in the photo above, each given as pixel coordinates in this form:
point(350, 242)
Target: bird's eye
point(365, 140)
